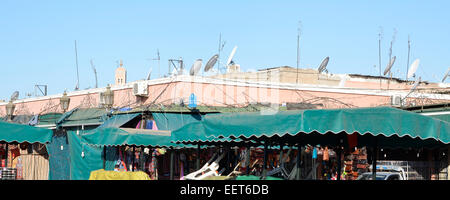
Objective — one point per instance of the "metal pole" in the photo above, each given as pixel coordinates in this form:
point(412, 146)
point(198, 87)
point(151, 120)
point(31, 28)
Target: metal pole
point(248, 158)
point(134, 157)
point(281, 154)
point(104, 157)
point(338, 154)
point(379, 55)
point(299, 152)
point(171, 163)
point(6, 155)
point(198, 156)
point(374, 160)
point(407, 63)
point(265, 160)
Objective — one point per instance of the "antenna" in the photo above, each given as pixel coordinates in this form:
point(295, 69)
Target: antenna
point(95, 73)
point(412, 70)
point(231, 56)
point(380, 36)
point(15, 96)
point(196, 67)
point(407, 63)
point(389, 66)
point(323, 65)
point(298, 48)
point(211, 62)
point(221, 45)
point(76, 60)
point(158, 59)
point(446, 75)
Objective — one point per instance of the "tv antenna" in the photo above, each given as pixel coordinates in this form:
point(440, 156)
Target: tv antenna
point(196, 67)
point(158, 59)
point(15, 96)
point(298, 48)
point(211, 62)
point(389, 66)
point(446, 75)
point(221, 45)
point(323, 65)
point(413, 68)
point(76, 61)
point(407, 62)
point(380, 37)
point(95, 73)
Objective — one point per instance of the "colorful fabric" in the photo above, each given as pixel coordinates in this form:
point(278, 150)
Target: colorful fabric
point(113, 175)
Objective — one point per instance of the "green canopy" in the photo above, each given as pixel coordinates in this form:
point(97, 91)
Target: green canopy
point(83, 116)
point(378, 121)
point(10, 132)
point(112, 136)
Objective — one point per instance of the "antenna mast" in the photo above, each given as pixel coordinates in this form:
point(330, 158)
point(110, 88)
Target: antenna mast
point(379, 51)
point(159, 58)
point(407, 63)
point(298, 49)
point(95, 73)
point(76, 61)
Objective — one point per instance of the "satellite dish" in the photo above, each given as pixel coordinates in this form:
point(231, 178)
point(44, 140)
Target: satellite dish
point(389, 66)
point(15, 96)
point(412, 70)
point(323, 65)
point(196, 67)
point(414, 87)
point(211, 62)
point(446, 75)
point(231, 55)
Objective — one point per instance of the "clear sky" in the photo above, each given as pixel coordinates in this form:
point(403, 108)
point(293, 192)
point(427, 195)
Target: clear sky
point(37, 37)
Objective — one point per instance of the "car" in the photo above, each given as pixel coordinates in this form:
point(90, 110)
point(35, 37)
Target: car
point(381, 176)
point(385, 172)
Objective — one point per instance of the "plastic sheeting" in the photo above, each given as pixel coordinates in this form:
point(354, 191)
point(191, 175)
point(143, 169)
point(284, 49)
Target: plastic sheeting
point(83, 158)
point(59, 157)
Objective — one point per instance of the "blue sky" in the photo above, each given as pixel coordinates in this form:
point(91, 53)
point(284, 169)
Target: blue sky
point(37, 37)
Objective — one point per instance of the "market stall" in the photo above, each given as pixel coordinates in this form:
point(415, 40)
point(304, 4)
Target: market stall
point(345, 130)
point(23, 152)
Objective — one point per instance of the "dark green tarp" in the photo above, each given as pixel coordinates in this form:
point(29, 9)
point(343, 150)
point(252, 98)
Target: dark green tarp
point(111, 136)
point(383, 121)
point(83, 116)
point(10, 132)
point(118, 120)
point(49, 118)
point(173, 121)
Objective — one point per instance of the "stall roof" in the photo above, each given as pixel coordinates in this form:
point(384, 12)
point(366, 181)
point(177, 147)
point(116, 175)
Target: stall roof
point(82, 116)
point(11, 132)
point(112, 136)
point(383, 121)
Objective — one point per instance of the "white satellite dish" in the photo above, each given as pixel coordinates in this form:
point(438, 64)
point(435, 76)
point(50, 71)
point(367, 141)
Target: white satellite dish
point(389, 66)
point(196, 67)
point(231, 55)
point(15, 96)
point(323, 65)
point(413, 68)
point(211, 62)
point(446, 75)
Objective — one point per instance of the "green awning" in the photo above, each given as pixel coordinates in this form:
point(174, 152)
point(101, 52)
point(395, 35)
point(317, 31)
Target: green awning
point(112, 136)
point(10, 132)
point(49, 119)
point(173, 121)
point(82, 116)
point(378, 121)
